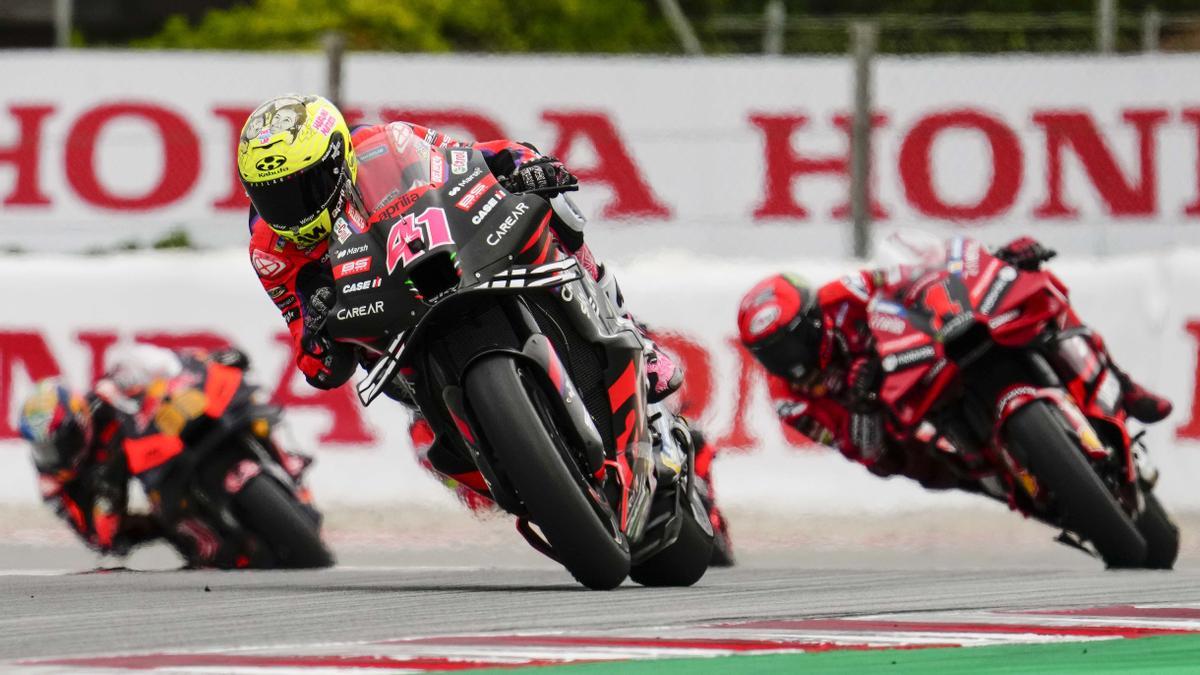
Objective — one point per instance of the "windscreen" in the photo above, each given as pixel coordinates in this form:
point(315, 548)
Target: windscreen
point(910, 248)
point(393, 164)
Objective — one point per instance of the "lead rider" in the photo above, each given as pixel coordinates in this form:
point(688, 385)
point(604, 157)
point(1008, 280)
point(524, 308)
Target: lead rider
point(296, 158)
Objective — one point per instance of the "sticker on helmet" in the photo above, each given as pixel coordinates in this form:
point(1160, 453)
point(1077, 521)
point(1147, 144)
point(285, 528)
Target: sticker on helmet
point(270, 163)
point(763, 319)
point(324, 122)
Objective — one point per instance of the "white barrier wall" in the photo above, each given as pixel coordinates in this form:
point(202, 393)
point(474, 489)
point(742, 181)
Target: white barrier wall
point(63, 313)
point(716, 156)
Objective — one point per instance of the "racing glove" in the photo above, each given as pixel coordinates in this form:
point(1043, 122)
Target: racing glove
point(544, 176)
point(866, 416)
point(326, 364)
point(1025, 253)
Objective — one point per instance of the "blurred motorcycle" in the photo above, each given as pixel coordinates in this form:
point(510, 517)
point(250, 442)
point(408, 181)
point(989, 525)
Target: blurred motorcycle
point(221, 490)
point(984, 372)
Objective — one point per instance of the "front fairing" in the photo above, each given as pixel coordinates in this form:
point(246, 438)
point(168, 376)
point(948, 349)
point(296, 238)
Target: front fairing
point(458, 231)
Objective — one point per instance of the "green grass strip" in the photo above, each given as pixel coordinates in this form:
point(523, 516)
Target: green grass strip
point(1167, 655)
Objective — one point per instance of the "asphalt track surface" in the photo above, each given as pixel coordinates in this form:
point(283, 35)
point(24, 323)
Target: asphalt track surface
point(57, 611)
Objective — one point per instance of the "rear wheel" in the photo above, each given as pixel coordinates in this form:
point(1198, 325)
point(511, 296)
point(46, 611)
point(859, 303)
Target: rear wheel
point(686, 560)
point(532, 455)
point(1160, 532)
point(268, 510)
point(1038, 439)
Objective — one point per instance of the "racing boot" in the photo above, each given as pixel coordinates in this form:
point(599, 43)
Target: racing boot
point(1142, 404)
point(664, 375)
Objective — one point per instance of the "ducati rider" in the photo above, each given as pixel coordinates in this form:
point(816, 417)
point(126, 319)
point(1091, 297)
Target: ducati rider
point(301, 167)
point(823, 373)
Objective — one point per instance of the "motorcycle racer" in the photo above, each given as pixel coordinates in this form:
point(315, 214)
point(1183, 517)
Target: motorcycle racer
point(824, 375)
point(77, 446)
point(301, 167)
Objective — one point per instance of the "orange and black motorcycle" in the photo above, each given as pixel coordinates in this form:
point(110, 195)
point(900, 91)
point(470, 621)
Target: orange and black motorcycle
point(222, 491)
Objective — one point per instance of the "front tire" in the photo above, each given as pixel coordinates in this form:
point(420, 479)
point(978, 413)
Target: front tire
point(516, 430)
point(275, 517)
point(1038, 439)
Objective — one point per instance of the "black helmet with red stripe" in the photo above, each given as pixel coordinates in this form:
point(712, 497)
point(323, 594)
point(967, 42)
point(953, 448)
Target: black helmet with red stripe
point(780, 322)
point(58, 423)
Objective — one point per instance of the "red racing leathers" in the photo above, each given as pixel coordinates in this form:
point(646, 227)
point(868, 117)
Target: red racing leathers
point(827, 409)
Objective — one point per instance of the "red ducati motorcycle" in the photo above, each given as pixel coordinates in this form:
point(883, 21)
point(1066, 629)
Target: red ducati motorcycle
point(986, 368)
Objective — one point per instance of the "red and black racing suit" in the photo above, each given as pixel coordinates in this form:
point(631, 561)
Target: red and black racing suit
point(93, 497)
point(291, 275)
point(826, 411)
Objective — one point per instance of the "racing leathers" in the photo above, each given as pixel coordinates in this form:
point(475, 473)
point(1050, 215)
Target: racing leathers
point(837, 404)
point(300, 281)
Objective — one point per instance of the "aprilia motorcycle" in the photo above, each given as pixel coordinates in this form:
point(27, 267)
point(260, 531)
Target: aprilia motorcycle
point(985, 369)
point(457, 290)
point(223, 492)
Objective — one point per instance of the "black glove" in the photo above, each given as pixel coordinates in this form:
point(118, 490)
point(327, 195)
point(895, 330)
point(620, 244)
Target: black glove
point(326, 364)
point(1025, 253)
point(544, 176)
point(862, 382)
point(232, 356)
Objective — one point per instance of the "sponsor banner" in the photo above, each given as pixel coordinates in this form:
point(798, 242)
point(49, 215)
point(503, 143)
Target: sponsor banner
point(1093, 154)
point(1145, 307)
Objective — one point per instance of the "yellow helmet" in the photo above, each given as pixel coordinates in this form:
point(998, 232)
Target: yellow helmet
point(295, 160)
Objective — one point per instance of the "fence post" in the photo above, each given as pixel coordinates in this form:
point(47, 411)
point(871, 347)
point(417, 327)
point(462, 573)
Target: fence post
point(775, 17)
point(335, 47)
point(1151, 29)
point(63, 10)
point(863, 38)
point(1106, 26)
point(682, 27)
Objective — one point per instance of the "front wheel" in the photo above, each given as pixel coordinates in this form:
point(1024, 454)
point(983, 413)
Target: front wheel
point(532, 454)
point(1038, 438)
point(275, 517)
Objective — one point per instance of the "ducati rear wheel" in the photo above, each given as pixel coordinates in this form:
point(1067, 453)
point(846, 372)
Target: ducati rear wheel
point(1038, 439)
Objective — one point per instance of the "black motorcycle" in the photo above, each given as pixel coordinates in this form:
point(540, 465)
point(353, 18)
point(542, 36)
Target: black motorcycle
point(456, 289)
point(221, 490)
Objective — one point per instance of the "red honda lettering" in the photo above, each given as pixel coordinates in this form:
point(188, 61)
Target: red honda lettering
point(1191, 428)
point(98, 343)
point(180, 148)
point(28, 350)
point(916, 170)
point(346, 420)
point(202, 340)
point(477, 126)
point(1132, 196)
point(783, 165)
point(1192, 117)
point(234, 118)
point(614, 166)
point(24, 157)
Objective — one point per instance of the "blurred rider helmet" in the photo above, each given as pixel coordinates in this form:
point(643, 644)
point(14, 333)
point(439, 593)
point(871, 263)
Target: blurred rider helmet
point(780, 323)
point(296, 162)
point(58, 422)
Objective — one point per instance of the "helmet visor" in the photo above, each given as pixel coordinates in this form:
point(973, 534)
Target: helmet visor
point(63, 449)
point(791, 353)
point(291, 202)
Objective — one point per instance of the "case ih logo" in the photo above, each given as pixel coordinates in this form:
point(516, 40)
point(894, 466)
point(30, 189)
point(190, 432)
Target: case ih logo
point(350, 267)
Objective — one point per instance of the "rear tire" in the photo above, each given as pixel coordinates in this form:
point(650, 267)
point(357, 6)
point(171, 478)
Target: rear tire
point(274, 515)
point(1038, 439)
point(1160, 532)
point(682, 563)
point(517, 433)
